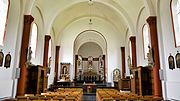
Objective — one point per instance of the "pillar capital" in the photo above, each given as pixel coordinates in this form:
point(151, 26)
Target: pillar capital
point(28, 19)
point(47, 37)
point(132, 38)
point(151, 20)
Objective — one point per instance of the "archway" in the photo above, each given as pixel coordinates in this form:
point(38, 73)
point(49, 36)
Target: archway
point(90, 57)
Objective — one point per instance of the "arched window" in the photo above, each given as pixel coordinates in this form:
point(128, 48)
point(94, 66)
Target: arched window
point(175, 13)
point(146, 39)
point(4, 7)
point(50, 47)
point(33, 41)
point(130, 50)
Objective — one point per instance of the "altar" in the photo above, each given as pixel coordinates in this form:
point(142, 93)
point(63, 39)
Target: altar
point(89, 88)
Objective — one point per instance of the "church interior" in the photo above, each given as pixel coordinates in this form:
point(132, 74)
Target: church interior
point(89, 50)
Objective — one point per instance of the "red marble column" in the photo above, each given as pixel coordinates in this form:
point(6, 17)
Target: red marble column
point(105, 69)
point(154, 44)
point(28, 19)
point(46, 49)
point(133, 47)
point(45, 59)
point(123, 61)
point(76, 58)
point(56, 63)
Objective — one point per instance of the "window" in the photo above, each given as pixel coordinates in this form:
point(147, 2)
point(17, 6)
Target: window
point(33, 41)
point(146, 39)
point(175, 13)
point(130, 50)
point(49, 50)
point(4, 6)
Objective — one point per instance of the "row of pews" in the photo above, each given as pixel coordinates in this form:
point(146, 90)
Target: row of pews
point(61, 94)
point(104, 94)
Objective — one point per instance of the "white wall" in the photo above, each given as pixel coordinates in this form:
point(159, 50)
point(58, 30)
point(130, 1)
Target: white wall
point(143, 15)
point(172, 84)
point(114, 42)
point(36, 13)
point(6, 75)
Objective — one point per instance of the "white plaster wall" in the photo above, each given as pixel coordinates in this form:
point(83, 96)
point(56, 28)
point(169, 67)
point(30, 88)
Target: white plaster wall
point(114, 41)
point(51, 75)
point(6, 75)
point(36, 13)
point(172, 84)
point(143, 15)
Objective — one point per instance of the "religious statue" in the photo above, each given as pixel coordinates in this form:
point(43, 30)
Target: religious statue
point(49, 62)
point(129, 62)
point(64, 70)
point(49, 65)
point(150, 56)
point(29, 56)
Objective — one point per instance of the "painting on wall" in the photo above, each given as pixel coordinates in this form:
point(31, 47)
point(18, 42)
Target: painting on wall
point(65, 71)
point(178, 59)
point(171, 62)
point(1, 58)
point(116, 74)
point(7, 62)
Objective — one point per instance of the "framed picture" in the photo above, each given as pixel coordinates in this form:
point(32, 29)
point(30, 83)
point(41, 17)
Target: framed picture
point(178, 59)
point(116, 74)
point(7, 62)
point(171, 62)
point(1, 58)
point(64, 71)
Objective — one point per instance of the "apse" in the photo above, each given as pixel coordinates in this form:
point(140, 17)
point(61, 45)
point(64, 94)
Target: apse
point(90, 49)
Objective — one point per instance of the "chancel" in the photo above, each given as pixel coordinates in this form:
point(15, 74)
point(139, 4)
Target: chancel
point(89, 50)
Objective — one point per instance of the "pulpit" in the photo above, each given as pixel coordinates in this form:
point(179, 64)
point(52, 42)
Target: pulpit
point(35, 79)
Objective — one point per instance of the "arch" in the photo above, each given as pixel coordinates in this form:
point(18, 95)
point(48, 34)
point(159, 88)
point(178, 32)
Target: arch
point(118, 9)
point(39, 10)
point(138, 18)
point(78, 42)
point(150, 8)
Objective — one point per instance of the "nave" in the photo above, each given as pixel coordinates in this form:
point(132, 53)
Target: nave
point(127, 45)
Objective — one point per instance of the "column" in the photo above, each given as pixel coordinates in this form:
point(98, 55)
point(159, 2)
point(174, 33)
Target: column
point(133, 47)
point(45, 59)
point(28, 19)
point(46, 49)
point(56, 63)
point(154, 44)
point(123, 61)
point(76, 58)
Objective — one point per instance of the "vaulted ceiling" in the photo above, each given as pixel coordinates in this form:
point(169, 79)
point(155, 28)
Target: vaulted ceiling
point(121, 14)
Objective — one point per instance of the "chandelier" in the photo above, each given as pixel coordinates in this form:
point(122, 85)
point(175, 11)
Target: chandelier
point(90, 3)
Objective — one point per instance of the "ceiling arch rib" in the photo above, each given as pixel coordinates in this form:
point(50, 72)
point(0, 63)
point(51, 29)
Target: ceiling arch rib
point(99, 11)
point(106, 6)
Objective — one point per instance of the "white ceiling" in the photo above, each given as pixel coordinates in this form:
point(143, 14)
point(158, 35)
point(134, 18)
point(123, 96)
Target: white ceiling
point(59, 14)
